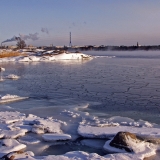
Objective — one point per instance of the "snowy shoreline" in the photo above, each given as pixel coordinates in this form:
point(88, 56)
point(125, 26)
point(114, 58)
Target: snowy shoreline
point(35, 57)
point(15, 127)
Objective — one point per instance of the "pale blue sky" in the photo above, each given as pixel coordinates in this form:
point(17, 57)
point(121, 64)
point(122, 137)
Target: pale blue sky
point(95, 22)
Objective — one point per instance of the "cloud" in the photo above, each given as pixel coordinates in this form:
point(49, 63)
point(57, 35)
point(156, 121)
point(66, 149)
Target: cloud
point(33, 36)
point(45, 30)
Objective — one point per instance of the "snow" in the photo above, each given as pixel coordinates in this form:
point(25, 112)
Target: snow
point(11, 134)
point(17, 125)
point(46, 125)
point(28, 140)
point(11, 117)
point(71, 114)
point(79, 155)
point(10, 98)
point(12, 76)
point(10, 145)
point(17, 155)
point(104, 132)
point(55, 137)
point(58, 56)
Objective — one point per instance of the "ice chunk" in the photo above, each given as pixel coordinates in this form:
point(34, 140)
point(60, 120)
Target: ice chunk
point(10, 145)
point(46, 125)
point(102, 132)
point(10, 98)
point(12, 76)
point(28, 140)
point(11, 134)
point(10, 117)
point(55, 137)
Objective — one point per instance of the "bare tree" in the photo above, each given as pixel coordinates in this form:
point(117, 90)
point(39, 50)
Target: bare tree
point(21, 44)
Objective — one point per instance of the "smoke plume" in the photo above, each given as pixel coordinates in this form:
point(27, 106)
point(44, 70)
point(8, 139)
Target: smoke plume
point(14, 38)
point(33, 37)
point(45, 30)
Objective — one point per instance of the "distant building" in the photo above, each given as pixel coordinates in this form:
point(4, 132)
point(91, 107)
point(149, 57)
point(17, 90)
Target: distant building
point(12, 47)
point(138, 45)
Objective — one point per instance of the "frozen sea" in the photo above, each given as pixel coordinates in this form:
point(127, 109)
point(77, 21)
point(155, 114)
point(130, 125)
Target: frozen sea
point(124, 83)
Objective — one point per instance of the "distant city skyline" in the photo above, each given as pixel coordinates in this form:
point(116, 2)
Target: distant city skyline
point(91, 22)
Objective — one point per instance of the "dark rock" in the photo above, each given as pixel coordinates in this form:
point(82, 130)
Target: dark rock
point(121, 141)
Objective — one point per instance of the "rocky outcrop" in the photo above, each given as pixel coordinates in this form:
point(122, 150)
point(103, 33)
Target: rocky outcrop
point(124, 140)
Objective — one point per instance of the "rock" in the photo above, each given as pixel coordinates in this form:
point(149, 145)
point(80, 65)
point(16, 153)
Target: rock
point(123, 140)
point(19, 155)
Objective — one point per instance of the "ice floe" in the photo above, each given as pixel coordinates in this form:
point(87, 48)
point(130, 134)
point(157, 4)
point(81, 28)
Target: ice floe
point(10, 145)
point(12, 76)
point(55, 137)
point(105, 132)
point(28, 140)
point(10, 98)
point(46, 125)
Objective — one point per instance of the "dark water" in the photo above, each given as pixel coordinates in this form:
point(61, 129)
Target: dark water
point(127, 85)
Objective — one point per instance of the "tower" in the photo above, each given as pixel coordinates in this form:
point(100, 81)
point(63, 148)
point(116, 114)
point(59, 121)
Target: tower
point(70, 43)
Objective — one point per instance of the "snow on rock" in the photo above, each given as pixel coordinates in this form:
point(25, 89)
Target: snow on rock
point(12, 76)
point(55, 137)
point(10, 145)
point(20, 155)
point(128, 142)
point(103, 132)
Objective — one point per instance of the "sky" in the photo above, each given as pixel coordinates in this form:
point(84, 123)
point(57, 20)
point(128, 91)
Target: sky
point(91, 22)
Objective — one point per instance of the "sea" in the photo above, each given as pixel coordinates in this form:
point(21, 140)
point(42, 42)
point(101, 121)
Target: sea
point(114, 83)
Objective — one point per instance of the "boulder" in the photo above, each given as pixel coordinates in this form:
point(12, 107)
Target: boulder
point(125, 140)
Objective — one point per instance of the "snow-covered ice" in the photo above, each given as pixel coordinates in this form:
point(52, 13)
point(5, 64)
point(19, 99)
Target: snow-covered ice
point(46, 125)
point(12, 76)
point(104, 132)
point(28, 140)
point(10, 98)
point(10, 145)
point(54, 57)
point(55, 137)
point(16, 125)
